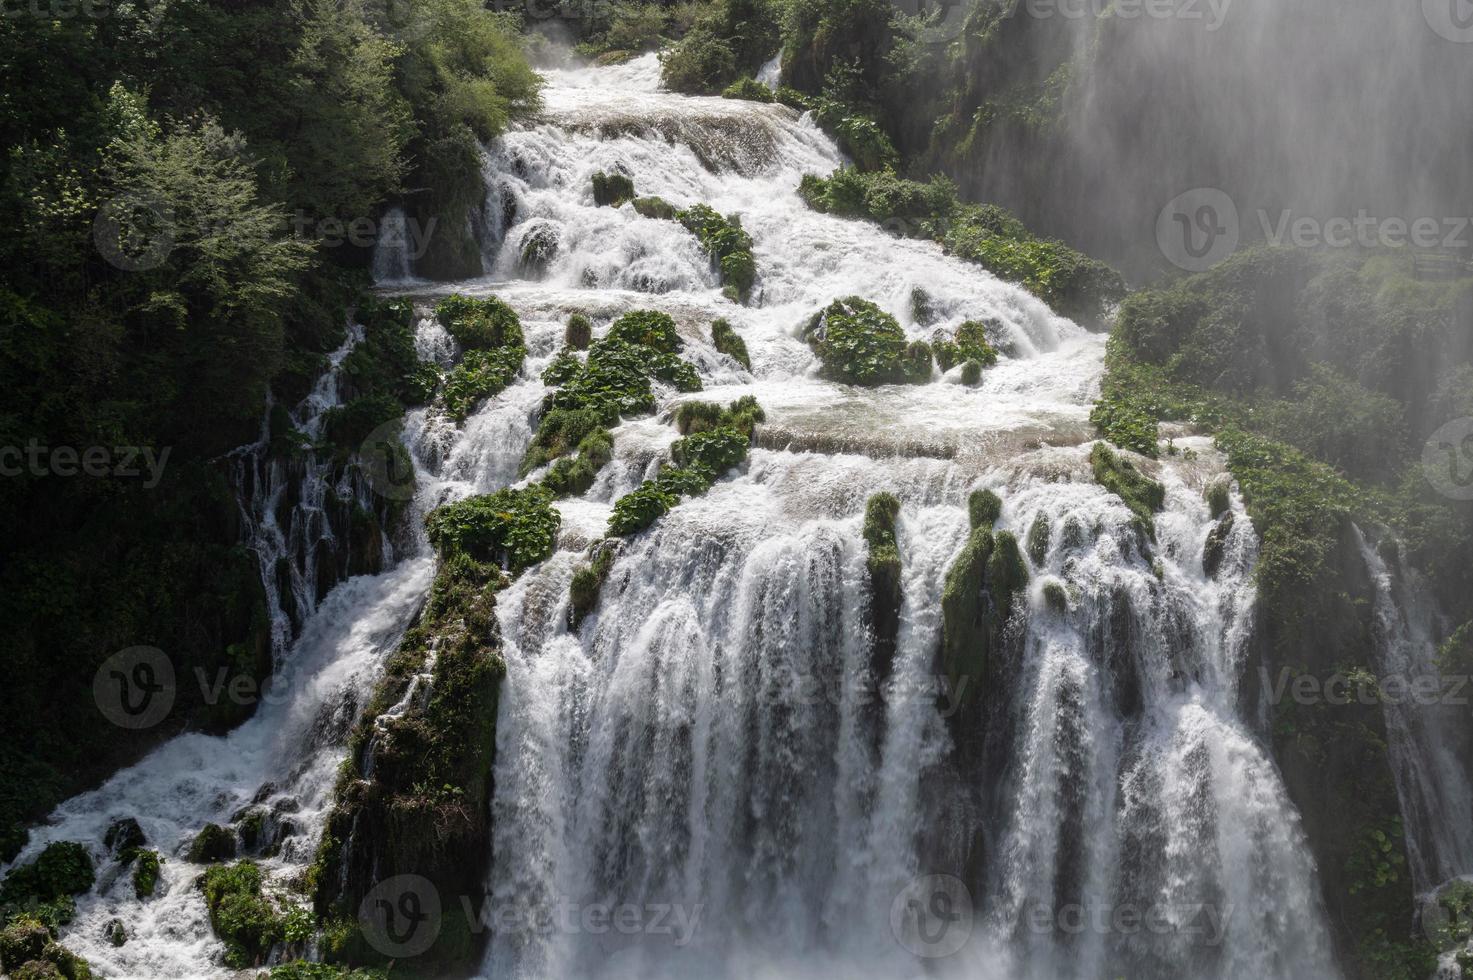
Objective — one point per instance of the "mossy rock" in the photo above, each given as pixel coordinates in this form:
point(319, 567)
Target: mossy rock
point(918, 360)
point(540, 245)
point(612, 190)
point(748, 89)
point(480, 324)
point(579, 332)
point(123, 836)
point(1144, 496)
point(983, 508)
point(971, 373)
point(883, 565)
point(1056, 597)
point(146, 869)
point(1219, 497)
point(726, 341)
point(1038, 539)
point(588, 583)
point(656, 207)
point(1216, 545)
point(212, 844)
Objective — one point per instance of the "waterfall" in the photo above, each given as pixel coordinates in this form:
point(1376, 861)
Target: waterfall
point(393, 250)
point(708, 763)
point(1432, 780)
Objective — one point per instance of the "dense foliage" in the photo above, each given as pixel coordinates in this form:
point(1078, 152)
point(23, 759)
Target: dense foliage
point(176, 186)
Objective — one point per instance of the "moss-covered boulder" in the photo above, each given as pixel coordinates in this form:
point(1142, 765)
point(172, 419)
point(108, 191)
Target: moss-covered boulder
point(656, 207)
point(612, 190)
point(983, 508)
point(1137, 491)
point(1038, 539)
point(588, 583)
point(726, 341)
point(883, 563)
point(579, 332)
point(1216, 545)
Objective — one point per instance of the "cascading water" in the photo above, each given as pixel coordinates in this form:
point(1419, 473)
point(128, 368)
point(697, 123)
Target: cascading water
point(1432, 780)
point(707, 759)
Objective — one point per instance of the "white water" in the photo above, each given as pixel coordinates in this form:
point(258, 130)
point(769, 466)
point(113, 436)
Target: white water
point(1431, 781)
point(708, 741)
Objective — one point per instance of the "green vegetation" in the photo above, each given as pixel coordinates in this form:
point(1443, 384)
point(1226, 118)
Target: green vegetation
point(414, 793)
point(718, 439)
point(726, 341)
point(883, 564)
point(588, 582)
point(749, 89)
point(612, 190)
point(1038, 539)
point(729, 246)
point(727, 39)
point(579, 333)
point(35, 900)
point(510, 528)
point(983, 508)
point(145, 872)
point(860, 344)
point(1302, 364)
point(1139, 492)
point(174, 201)
point(1069, 281)
point(490, 335)
point(246, 920)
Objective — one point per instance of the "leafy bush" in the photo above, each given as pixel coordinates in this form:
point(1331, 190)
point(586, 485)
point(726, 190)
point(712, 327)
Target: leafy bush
point(749, 89)
point(858, 342)
point(649, 328)
point(729, 246)
point(146, 873)
point(346, 426)
point(716, 450)
point(246, 920)
point(640, 508)
point(513, 528)
point(563, 368)
point(729, 38)
point(480, 324)
point(480, 375)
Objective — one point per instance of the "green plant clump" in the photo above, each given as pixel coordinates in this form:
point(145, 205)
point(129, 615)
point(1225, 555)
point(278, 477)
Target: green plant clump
point(749, 89)
point(1118, 475)
point(1069, 281)
point(728, 342)
point(514, 528)
point(729, 246)
point(858, 343)
point(612, 190)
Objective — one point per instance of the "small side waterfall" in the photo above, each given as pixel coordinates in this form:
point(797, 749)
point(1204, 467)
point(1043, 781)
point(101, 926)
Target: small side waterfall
point(392, 252)
point(1432, 776)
